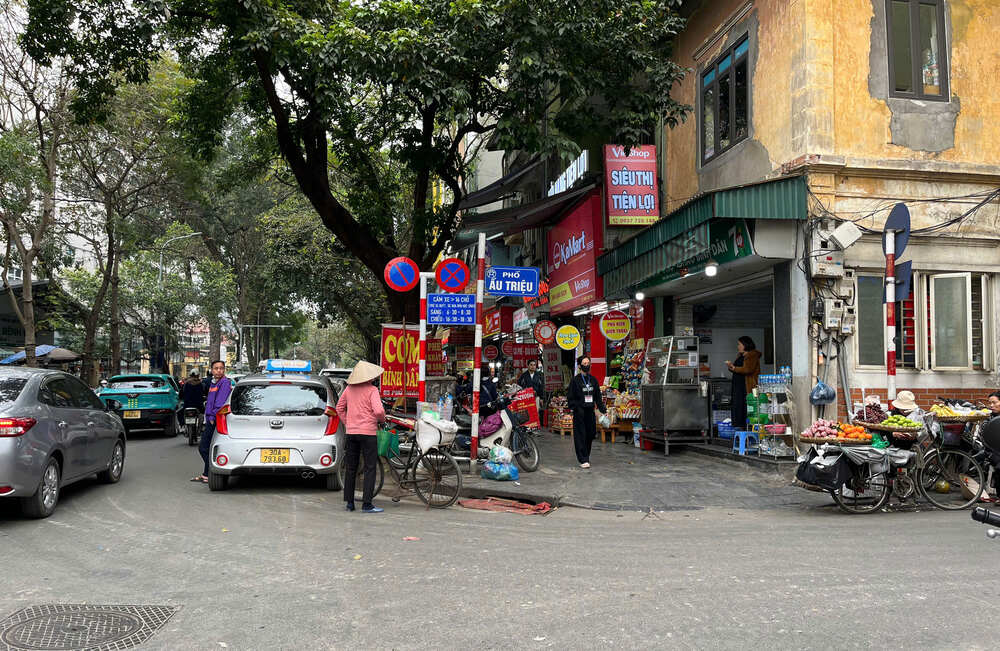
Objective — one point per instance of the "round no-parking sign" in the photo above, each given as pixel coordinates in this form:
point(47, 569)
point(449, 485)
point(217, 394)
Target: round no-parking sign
point(452, 275)
point(401, 274)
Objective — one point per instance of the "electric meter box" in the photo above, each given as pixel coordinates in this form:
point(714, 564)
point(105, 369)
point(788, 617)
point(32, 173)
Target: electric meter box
point(825, 259)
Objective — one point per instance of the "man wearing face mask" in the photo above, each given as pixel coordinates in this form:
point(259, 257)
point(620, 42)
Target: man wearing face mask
point(583, 395)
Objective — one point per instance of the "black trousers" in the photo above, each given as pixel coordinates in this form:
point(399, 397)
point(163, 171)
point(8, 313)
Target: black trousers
point(356, 446)
point(205, 444)
point(584, 431)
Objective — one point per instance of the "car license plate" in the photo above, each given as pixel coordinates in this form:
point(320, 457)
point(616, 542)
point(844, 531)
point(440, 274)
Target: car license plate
point(275, 455)
point(132, 414)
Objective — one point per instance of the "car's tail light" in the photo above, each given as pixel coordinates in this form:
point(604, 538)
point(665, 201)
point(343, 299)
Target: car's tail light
point(221, 460)
point(325, 460)
point(161, 411)
point(334, 423)
point(6, 490)
point(221, 426)
point(15, 426)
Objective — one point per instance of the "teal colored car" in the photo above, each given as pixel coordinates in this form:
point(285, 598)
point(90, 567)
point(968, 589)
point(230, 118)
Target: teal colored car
point(147, 401)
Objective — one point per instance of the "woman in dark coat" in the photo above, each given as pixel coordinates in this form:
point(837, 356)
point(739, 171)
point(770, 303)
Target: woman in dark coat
point(745, 369)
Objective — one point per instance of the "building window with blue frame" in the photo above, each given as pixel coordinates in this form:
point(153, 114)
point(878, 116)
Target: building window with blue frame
point(725, 101)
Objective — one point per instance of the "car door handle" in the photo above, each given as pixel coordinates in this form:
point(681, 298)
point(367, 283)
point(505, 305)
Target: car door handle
point(63, 423)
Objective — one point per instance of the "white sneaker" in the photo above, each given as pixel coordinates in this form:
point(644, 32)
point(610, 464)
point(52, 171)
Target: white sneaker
point(585, 464)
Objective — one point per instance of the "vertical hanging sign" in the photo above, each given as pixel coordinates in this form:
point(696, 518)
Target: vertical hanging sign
point(630, 185)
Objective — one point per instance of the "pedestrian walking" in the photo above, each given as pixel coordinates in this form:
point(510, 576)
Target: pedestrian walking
point(745, 369)
point(533, 379)
point(583, 396)
point(219, 389)
point(360, 409)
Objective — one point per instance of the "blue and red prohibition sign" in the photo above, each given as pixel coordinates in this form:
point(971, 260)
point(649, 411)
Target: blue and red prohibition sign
point(452, 275)
point(401, 274)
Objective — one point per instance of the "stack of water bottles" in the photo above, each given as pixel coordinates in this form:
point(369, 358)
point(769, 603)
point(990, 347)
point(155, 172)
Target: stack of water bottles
point(777, 383)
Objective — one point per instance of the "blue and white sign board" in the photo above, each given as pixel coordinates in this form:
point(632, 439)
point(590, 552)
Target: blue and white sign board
point(451, 309)
point(288, 366)
point(512, 281)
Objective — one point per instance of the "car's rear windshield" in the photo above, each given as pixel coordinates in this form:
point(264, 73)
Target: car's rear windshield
point(278, 400)
point(136, 383)
point(10, 389)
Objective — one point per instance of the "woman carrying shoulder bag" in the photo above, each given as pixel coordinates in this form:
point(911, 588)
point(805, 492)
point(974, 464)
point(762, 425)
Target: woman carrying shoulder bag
point(360, 408)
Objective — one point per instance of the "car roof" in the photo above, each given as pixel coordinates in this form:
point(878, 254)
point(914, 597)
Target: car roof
point(161, 376)
point(285, 377)
point(29, 372)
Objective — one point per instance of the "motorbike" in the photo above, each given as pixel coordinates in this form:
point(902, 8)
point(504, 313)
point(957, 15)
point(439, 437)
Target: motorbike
point(505, 428)
point(980, 514)
point(192, 424)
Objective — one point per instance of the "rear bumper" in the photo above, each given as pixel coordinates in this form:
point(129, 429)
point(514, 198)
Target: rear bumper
point(243, 456)
point(146, 420)
point(19, 472)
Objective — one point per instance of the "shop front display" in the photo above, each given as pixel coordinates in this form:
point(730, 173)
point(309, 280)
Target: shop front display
point(675, 405)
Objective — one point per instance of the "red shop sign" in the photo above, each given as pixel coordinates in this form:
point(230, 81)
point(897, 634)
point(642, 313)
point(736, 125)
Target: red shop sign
point(572, 254)
point(630, 185)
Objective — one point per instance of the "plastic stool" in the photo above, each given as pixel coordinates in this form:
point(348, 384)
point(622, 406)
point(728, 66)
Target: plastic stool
point(742, 442)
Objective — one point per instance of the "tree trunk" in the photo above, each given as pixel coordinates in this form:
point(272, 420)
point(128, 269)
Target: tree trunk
point(266, 344)
point(215, 338)
point(88, 371)
point(28, 316)
point(115, 325)
point(403, 304)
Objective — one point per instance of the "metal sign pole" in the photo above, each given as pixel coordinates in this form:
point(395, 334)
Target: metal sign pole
point(477, 353)
point(422, 378)
point(890, 312)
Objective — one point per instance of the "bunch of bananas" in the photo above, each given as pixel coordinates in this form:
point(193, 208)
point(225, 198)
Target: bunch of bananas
point(943, 410)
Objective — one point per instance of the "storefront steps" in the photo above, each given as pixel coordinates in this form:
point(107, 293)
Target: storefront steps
point(784, 466)
point(625, 478)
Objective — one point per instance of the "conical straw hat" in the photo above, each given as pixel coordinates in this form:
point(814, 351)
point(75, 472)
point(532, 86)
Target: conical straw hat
point(364, 372)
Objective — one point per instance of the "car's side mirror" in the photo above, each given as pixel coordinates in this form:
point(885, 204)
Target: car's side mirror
point(112, 405)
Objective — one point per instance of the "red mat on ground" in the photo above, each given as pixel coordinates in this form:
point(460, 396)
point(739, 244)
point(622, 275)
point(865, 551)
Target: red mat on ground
point(506, 506)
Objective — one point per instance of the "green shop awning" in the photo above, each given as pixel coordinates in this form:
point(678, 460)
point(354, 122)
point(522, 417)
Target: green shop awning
point(710, 226)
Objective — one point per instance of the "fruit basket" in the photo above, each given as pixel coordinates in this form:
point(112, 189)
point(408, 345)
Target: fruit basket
point(963, 418)
point(878, 427)
point(817, 439)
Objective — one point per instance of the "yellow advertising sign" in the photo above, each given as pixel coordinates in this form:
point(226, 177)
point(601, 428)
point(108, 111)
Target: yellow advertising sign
point(568, 337)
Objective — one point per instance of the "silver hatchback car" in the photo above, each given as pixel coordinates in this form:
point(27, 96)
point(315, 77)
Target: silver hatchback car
point(54, 430)
point(276, 423)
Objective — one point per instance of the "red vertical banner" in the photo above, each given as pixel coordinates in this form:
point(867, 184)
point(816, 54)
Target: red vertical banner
point(571, 259)
point(631, 185)
point(552, 368)
point(399, 349)
point(435, 358)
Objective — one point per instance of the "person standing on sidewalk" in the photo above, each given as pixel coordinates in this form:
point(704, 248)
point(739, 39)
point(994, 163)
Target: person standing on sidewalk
point(360, 409)
point(582, 396)
point(218, 393)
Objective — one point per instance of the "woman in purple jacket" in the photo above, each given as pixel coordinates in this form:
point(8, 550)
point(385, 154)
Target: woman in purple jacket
point(218, 393)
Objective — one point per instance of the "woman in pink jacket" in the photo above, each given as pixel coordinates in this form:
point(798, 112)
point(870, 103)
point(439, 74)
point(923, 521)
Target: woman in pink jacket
point(360, 409)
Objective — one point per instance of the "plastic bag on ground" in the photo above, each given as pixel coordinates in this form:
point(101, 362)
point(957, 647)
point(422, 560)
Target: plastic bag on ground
point(499, 471)
point(500, 454)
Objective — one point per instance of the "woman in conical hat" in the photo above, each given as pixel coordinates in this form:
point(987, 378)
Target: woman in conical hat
point(360, 409)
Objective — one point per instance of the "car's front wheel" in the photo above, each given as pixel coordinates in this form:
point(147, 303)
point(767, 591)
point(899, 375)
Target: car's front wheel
point(43, 502)
point(170, 429)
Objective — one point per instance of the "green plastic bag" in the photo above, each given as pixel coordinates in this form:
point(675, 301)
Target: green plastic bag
point(387, 440)
point(878, 442)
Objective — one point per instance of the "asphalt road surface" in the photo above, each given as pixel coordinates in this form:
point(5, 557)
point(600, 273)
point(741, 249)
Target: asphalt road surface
point(278, 565)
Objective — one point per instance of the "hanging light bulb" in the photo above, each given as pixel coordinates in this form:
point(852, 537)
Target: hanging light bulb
point(639, 296)
point(712, 268)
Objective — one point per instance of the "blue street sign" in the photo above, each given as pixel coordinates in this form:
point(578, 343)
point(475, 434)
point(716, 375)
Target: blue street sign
point(451, 309)
point(512, 281)
point(898, 221)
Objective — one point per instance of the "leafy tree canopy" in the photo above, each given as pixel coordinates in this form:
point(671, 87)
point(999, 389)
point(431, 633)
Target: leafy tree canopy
point(344, 86)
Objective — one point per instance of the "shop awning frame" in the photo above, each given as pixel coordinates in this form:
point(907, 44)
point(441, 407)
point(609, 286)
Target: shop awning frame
point(499, 189)
point(784, 198)
point(508, 221)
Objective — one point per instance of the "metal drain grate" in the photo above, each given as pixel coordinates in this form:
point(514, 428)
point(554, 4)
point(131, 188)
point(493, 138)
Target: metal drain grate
point(81, 627)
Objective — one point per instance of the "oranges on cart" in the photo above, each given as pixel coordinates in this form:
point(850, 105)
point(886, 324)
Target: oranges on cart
point(853, 432)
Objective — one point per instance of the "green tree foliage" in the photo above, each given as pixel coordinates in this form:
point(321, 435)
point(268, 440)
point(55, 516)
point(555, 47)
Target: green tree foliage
point(345, 86)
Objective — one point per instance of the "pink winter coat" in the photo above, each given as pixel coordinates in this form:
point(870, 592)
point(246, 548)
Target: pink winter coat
point(360, 409)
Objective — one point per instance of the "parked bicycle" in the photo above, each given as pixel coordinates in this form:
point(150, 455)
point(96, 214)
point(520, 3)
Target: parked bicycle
point(949, 478)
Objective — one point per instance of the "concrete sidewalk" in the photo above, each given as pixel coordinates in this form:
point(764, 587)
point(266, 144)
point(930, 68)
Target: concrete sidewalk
point(622, 477)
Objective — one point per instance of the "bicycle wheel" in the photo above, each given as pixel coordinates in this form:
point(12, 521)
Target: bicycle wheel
point(951, 479)
point(359, 482)
point(437, 479)
point(866, 492)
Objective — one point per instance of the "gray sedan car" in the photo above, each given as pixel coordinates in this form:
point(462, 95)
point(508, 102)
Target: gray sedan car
point(54, 430)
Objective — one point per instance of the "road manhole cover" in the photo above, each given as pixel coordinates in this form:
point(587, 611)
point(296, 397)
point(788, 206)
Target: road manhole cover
point(81, 627)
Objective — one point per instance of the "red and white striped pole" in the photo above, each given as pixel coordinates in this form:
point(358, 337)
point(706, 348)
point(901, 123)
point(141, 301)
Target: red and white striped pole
point(477, 354)
point(422, 378)
point(890, 312)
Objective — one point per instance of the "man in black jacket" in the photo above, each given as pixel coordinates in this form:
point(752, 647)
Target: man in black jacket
point(532, 379)
point(582, 396)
